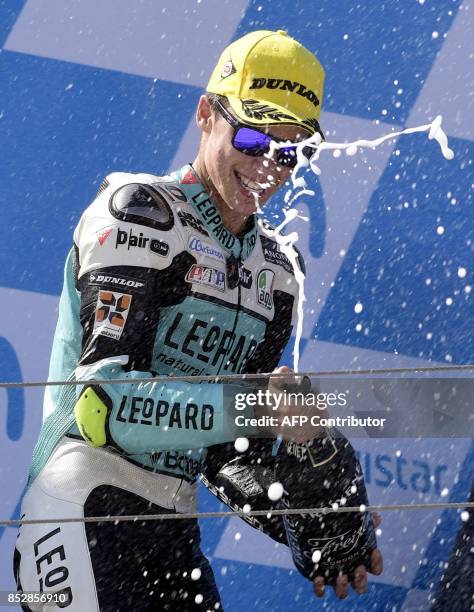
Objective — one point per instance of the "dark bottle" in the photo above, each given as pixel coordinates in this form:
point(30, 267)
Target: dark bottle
point(319, 474)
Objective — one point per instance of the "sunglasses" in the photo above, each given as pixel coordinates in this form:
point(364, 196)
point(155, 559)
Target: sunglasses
point(256, 143)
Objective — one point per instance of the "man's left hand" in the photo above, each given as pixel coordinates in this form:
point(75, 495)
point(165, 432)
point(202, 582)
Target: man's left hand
point(360, 582)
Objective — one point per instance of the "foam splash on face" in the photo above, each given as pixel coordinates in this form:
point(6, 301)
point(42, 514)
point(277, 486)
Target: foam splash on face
point(298, 189)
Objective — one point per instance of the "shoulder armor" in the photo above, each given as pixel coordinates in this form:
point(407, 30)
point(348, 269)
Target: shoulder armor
point(131, 222)
point(142, 204)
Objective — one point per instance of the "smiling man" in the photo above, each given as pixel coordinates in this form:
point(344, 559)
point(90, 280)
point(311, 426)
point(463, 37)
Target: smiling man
point(169, 275)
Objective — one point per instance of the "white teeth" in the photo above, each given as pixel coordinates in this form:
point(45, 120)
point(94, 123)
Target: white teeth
point(249, 184)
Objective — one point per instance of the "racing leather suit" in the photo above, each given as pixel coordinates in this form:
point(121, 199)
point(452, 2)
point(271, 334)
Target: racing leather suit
point(154, 284)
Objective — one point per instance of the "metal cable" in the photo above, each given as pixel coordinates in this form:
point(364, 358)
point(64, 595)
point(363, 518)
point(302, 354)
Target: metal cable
point(239, 377)
point(239, 513)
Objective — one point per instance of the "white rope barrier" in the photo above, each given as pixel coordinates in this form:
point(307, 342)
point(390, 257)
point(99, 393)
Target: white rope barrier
point(240, 513)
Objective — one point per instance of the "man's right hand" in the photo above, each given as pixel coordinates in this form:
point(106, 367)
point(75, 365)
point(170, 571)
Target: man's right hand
point(294, 419)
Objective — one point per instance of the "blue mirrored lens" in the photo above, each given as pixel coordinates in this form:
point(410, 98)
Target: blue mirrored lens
point(251, 142)
point(287, 156)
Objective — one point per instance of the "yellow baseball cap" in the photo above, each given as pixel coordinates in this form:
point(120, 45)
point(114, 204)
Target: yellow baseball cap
point(270, 78)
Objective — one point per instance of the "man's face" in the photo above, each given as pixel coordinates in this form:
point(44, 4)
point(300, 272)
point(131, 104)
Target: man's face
point(240, 181)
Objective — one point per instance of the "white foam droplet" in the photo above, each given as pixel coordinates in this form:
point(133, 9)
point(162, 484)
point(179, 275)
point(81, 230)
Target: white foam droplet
point(275, 491)
point(464, 516)
point(351, 150)
point(241, 445)
point(199, 598)
point(462, 272)
point(358, 308)
point(440, 230)
point(316, 556)
point(353, 489)
point(362, 507)
point(247, 508)
point(237, 536)
point(195, 574)
point(299, 183)
point(444, 492)
point(336, 153)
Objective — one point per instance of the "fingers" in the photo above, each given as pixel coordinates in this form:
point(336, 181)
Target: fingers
point(318, 584)
point(376, 519)
point(376, 562)
point(291, 382)
point(360, 580)
point(342, 586)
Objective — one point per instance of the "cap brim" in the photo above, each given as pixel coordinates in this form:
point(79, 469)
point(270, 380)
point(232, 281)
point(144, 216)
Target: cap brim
point(258, 113)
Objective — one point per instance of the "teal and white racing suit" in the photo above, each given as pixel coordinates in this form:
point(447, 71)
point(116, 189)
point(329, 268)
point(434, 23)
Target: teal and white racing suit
point(154, 284)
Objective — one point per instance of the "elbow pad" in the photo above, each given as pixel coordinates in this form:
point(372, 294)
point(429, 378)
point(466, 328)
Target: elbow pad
point(92, 411)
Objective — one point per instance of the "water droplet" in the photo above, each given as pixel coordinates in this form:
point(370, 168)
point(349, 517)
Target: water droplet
point(241, 445)
point(275, 491)
point(316, 556)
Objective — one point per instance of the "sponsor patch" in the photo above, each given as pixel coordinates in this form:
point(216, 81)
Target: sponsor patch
point(98, 278)
point(285, 85)
point(237, 274)
point(274, 256)
point(188, 219)
point(139, 241)
point(210, 277)
point(245, 277)
point(196, 245)
point(227, 69)
point(111, 313)
point(103, 234)
point(265, 280)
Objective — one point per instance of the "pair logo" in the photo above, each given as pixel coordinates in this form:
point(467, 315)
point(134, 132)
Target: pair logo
point(140, 241)
point(265, 280)
point(111, 313)
point(210, 277)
